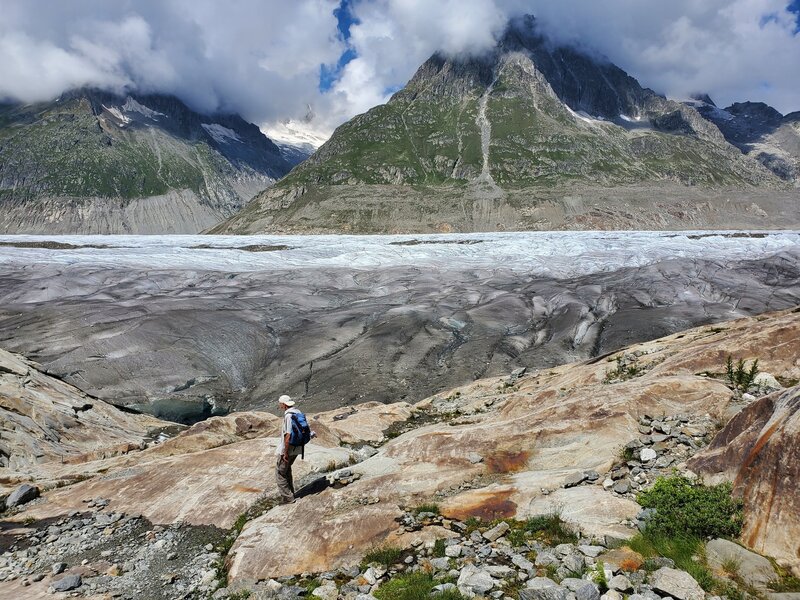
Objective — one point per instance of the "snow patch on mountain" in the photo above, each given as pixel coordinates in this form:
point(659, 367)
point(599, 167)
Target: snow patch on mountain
point(117, 114)
point(132, 106)
point(221, 135)
point(298, 134)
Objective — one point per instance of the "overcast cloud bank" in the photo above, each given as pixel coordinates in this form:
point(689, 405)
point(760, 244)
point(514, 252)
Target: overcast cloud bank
point(262, 58)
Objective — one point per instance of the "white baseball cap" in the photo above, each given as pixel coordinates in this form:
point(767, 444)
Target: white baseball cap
point(286, 400)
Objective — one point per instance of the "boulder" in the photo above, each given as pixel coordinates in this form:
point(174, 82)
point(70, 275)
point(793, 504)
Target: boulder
point(23, 494)
point(758, 451)
point(753, 569)
point(678, 584)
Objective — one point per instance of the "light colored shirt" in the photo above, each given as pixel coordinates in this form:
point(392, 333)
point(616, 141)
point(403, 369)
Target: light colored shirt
point(286, 427)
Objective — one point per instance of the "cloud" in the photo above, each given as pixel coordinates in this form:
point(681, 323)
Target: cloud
point(255, 57)
point(735, 50)
point(262, 58)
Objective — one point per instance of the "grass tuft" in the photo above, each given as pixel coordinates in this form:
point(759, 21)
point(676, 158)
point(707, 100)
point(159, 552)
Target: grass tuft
point(413, 586)
point(386, 556)
point(428, 507)
point(551, 529)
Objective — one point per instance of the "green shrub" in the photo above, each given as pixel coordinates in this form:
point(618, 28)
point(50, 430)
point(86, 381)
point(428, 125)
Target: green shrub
point(688, 509)
point(472, 523)
point(413, 586)
point(386, 556)
point(739, 376)
point(438, 549)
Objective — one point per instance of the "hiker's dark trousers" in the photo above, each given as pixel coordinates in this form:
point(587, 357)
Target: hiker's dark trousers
point(283, 475)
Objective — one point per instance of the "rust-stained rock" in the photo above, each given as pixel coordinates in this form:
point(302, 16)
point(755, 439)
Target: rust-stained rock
point(759, 451)
point(341, 539)
point(622, 559)
point(555, 422)
point(551, 424)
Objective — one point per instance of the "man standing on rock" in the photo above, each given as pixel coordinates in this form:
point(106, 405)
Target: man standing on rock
point(285, 452)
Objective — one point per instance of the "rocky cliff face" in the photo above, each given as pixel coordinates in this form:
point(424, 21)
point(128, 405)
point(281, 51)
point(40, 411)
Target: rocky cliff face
point(759, 450)
point(45, 421)
point(760, 131)
point(526, 117)
point(93, 162)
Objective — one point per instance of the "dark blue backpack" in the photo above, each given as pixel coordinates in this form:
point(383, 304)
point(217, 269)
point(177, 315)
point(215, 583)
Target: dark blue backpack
point(301, 432)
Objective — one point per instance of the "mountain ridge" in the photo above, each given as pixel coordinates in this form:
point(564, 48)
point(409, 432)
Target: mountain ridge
point(528, 116)
point(98, 162)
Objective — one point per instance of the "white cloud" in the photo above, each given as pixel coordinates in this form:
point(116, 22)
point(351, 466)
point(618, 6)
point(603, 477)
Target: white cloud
point(262, 57)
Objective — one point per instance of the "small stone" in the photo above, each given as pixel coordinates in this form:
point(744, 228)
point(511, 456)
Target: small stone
point(58, 568)
point(497, 531)
point(545, 559)
point(67, 583)
point(622, 487)
point(574, 479)
point(440, 564)
point(523, 563)
point(620, 583)
point(326, 592)
point(647, 454)
point(453, 551)
point(664, 461)
point(474, 581)
point(443, 587)
point(474, 458)
point(593, 551)
point(612, 595)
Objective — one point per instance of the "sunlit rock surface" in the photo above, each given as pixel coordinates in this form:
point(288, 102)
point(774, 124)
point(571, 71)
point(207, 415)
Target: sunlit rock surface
point(494, 448)
point(46, 422)
point(555, 422)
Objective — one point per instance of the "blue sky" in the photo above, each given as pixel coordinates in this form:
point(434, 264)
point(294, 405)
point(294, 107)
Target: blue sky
point(344, 18)
point(794, 6)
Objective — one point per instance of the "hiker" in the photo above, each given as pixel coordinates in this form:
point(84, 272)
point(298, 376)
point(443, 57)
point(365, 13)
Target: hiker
point(295, 434)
